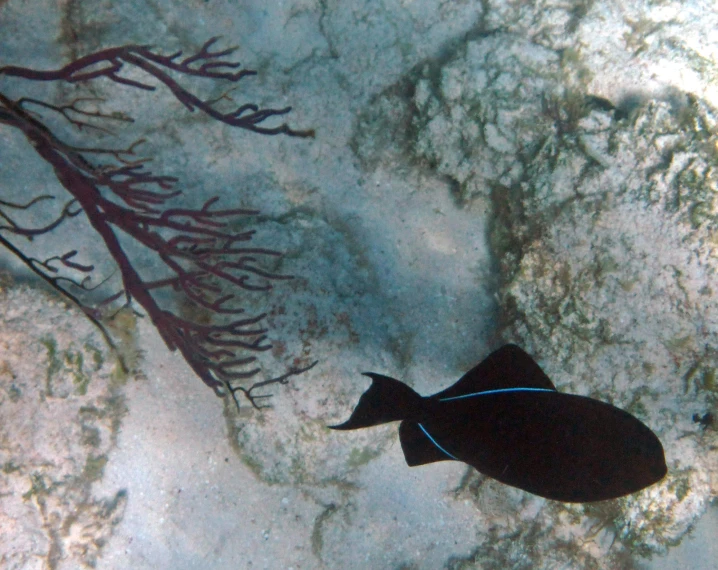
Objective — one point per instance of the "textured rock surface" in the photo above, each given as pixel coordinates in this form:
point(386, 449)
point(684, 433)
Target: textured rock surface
point(60, 407)
point(603, 228)
point(575, 141)
point(613, 286)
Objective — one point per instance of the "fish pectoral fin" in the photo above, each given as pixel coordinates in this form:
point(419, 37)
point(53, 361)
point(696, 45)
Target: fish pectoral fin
point(418, 447)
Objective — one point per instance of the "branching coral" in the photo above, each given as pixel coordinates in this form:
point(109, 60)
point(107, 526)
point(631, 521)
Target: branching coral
point(203, 260)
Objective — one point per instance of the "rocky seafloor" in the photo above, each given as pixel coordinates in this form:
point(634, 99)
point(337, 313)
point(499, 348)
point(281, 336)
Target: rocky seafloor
point(488, 172)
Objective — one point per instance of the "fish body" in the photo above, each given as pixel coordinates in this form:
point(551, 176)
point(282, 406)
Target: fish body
point(506, 419)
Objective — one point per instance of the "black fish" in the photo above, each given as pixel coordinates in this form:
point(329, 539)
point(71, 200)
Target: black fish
point(505, 418)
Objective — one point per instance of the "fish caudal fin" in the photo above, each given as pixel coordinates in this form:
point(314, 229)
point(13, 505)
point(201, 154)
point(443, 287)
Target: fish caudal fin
point(386, 400)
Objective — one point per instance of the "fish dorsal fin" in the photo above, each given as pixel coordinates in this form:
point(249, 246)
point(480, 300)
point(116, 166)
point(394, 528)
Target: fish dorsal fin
point(506, 368)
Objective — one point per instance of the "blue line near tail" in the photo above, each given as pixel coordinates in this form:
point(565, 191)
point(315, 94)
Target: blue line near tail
point(501, 391)
point(426, 433)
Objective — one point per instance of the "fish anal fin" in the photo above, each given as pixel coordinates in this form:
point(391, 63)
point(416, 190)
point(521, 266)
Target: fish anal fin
point(508, 367)
point(418, 448)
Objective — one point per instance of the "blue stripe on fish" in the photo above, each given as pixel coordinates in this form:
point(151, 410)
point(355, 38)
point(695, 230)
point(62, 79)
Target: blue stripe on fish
point(501, 391)
point(426, 433)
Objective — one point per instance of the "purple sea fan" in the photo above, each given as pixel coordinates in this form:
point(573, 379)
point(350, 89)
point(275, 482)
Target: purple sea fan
point(204, 261)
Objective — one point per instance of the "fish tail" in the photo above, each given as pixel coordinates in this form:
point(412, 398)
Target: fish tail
point(386, 400)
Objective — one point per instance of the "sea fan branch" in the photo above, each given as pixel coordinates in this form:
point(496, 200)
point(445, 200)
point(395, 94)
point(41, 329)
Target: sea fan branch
point(200, 259)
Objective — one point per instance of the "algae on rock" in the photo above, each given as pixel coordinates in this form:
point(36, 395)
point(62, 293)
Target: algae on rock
point(610, 286)
point(61, 411)
point(603, 227)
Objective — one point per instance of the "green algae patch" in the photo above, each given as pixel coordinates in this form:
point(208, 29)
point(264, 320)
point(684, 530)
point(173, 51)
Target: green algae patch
point(317, 539)
point(78, 363)
point(361, 456)
point(94, 468)
point(54, 364)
